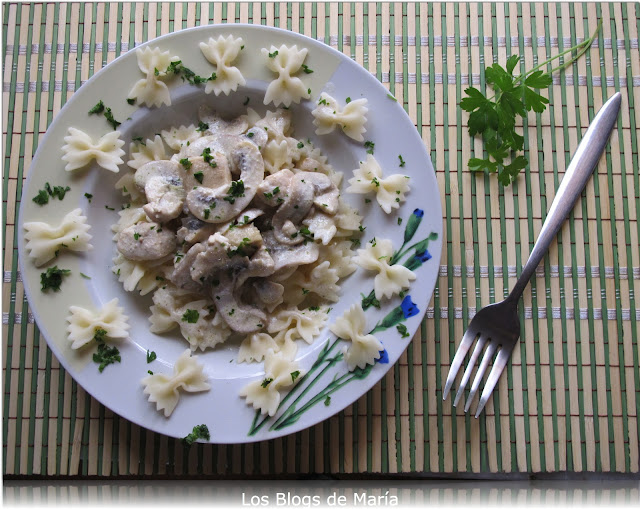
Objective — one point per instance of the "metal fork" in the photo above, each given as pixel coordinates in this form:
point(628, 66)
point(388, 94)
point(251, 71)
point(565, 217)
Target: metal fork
point(497, 326)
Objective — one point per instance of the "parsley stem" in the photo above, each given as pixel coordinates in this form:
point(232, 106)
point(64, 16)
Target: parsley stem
point(583, 46)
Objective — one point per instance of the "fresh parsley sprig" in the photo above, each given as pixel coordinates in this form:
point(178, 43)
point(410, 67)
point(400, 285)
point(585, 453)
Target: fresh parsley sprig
point(495, 118)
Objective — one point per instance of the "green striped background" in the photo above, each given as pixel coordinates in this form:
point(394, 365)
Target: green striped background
point(571, 396)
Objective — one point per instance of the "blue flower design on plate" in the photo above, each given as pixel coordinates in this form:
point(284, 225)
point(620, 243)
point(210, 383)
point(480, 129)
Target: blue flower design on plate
point(424, 256)
point(384, 357)
point(409, 308)
point(418, 212)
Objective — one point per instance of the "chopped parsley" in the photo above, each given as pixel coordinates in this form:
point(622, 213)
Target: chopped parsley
point(206, 213)
point(323, 102)
point(97, 109)
point(202, 126)
point(295, 375)
point(246, 101)
point(59, 192)
point(306, 233)
point(156, 72)
point(369, 145)
point(191, 316)
point(327, 401)
point(399, 221)
point(139, 139)
point(236, 190)
point(131, 100)
point(208, 158)
point(186, 163)
point(199, 431)
point(300, 145)
point(402, 162)
point(306, 69)
point(199, 176)
point(314, 308)
point(41, 198)
point(213, 76)
point(369, 301)
point(150, 372)
point(375, 181)
point(85, 276)
point(402, 329)
point(367, 200)
point(232, 312)
point(348, 100)
point(274, 54)
point(109, 116)
point(355, 242)
point(265, 383)
point(109, 208)
point(52, 278)
point(151, 356)
point(250, 135)
point(106, 354)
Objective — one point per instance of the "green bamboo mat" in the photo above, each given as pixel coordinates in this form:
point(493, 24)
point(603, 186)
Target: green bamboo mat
point(571, 396)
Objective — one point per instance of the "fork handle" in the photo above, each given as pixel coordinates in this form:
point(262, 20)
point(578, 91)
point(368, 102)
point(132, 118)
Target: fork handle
point(575, 179)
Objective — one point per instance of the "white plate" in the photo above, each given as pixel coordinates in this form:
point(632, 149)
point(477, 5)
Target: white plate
point(228, 417)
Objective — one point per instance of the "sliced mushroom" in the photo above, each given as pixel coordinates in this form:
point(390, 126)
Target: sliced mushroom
point(273, 189)
point(181, 275)
point(193, 230)
point(218, 125)
point(239, 316)
point(268, 293)
point(285, 256)
point(261, 265)
point(306, 189)
point(146, 241)
point(222, 203)
point(162, 185)
point(212, 172)
point(326, 193)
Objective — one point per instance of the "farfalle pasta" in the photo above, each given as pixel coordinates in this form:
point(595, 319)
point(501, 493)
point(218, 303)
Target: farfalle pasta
point(221, 52)
point(200, 324)
point(255, 347)
point(264, 394)
point(44, 241)
point(351, 118)
point(390, 191)
point(84, 323)
point(364, 348)
point(151, 90)
point(80, 149)
point(298, 324)
point(151, 150)
point(391, 279)
point(178, 137)
point(165, 390)
point(285, 61)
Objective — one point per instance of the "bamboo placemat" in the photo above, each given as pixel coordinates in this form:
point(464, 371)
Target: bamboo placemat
point(571, 396)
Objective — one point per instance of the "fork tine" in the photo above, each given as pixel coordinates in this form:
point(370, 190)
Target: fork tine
point(488, 355)
point(494, 376)
point(463, 348)
point(482, 340)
